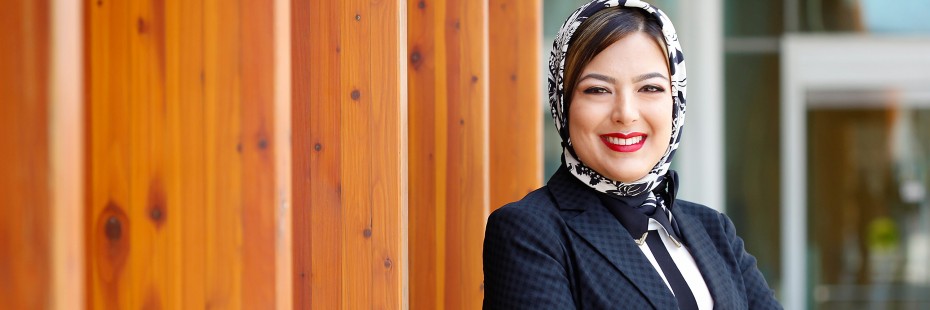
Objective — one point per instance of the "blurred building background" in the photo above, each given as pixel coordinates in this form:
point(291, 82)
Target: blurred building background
point(345, 154)
point(818, 112)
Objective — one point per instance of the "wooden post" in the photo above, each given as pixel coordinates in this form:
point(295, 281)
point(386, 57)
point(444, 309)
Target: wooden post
point(516, 99)
point(449, 171)
point(349, 109)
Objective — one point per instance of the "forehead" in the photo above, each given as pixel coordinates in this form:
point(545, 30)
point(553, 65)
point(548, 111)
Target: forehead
point(631, 55)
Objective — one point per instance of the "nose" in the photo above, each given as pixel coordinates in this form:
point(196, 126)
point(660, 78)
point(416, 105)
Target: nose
point(624, 111)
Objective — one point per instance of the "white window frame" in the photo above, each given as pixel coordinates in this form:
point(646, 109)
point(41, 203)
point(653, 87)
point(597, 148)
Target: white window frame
point(813, 62)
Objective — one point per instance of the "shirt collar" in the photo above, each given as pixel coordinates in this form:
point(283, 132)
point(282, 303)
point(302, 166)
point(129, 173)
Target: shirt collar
point(635, 222)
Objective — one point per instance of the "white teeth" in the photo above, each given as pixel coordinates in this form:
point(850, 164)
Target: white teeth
point(620, 141)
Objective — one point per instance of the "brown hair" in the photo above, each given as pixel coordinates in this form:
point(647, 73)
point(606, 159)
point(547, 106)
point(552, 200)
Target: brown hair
point(600, 31)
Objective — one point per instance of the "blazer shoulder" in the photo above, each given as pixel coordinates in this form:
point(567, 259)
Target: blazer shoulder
point(537, 201)
point(536, 208)
point(701, 212)
point(526, 265)
point(721, 233)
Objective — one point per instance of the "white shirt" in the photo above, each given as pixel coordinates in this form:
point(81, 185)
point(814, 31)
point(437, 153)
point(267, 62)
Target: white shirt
point(685, 263)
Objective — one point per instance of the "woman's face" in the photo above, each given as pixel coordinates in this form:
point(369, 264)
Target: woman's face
point(620, 117)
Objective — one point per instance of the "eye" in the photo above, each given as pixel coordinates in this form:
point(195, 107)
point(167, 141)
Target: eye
point(596, 90)
point(652, 89)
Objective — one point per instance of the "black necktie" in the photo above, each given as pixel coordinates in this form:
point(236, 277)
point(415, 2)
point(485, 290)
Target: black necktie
point(680, 287)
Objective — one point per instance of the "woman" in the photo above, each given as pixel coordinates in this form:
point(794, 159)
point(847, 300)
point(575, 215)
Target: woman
point(606, 232)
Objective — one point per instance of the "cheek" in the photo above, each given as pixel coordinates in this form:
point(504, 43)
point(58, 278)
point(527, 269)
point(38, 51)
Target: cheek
point(584, 116)
point(661, 119)
point(577, 122)
point(580, 127)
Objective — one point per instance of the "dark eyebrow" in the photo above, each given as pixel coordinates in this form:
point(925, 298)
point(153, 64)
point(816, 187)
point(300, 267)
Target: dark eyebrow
point(649, 76)
point(598, 77)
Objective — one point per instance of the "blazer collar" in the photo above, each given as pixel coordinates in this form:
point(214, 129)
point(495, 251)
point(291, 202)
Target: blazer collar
point(635, 222)
point(602, 230)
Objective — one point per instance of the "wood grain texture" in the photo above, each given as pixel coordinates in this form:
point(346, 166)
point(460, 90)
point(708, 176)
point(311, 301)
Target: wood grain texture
point(467, 137)
point(173, 135)
point(302, 150)
point(349, 146)
point(152, 262)
point(258, 152)
point(355, 94)
point(426, 152)
point(185, 98)
point(25, 253)
point(107, 221)
point(448, 153)
point(389, 172)
point(317, 181)
point(516, 95)
point(223, 152)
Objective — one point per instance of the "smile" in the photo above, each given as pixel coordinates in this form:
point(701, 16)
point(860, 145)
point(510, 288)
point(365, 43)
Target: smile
point(624, 143)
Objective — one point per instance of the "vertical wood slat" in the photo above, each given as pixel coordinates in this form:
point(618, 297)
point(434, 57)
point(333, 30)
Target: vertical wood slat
point(516, 96)
point(258, 152)
point(317, 182)
point(185, 97)
point(389, 173)
point(355, 92)
point(349, 147)
point(25, 267)
point(223, 152)
point(449, 76)
point(107, 223)
point(427, 104)
point(152, 211)
point(467, 137)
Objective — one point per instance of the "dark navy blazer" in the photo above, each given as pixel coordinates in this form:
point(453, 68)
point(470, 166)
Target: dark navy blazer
point(560, 248)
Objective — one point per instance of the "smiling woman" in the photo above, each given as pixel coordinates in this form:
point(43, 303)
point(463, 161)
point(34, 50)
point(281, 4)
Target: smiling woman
point(620, 117)
point(606, 231)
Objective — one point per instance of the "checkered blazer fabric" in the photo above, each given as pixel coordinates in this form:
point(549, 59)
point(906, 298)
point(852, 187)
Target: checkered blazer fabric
point(560, 248)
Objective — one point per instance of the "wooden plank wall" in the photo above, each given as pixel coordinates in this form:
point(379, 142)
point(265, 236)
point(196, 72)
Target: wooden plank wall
point(184, 198)
point(475, 136)
point(180, 207)
point(349, 133)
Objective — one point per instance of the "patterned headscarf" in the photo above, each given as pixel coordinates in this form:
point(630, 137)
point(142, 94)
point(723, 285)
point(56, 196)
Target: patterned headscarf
point(559, 108)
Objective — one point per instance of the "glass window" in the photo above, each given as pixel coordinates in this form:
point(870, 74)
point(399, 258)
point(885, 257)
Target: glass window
point(752, 156)
point(877, 16)
point(869, 214)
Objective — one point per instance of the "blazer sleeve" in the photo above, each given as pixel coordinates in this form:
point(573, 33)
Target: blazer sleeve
point(758, 293)
point(524, 262)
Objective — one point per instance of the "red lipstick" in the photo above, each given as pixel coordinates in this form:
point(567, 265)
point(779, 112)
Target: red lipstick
point(625, 143)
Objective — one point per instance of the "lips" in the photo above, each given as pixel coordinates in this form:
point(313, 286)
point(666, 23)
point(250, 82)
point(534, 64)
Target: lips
point(624, 143)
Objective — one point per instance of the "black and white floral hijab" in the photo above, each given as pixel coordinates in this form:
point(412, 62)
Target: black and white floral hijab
point(560, 108)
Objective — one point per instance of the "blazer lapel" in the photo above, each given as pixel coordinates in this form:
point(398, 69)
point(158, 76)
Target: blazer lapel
point(712, 266)
point(599, 228)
